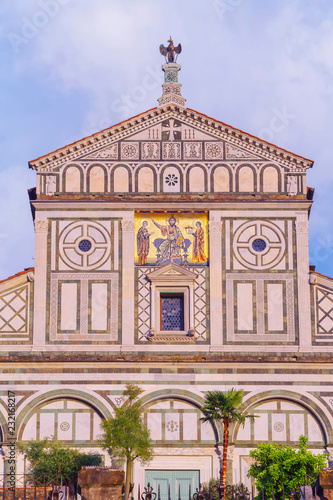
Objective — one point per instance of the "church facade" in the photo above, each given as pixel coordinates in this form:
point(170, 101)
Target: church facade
point(171, 252)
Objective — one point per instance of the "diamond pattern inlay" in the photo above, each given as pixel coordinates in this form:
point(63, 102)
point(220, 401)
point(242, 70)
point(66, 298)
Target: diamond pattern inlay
point(14, 311)
point(324, 311)
point(200, 303)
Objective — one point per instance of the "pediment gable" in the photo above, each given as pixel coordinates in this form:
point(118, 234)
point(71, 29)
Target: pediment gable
point(168, 133)
point(171, 272)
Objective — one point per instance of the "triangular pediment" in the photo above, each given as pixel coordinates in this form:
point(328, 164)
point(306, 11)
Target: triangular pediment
point(171, 272)
point(170, 133)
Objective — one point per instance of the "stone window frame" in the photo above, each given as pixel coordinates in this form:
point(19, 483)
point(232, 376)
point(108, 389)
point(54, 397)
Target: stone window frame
point(171, 278)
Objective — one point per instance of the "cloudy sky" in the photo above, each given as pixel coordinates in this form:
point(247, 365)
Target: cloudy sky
point(72, 67)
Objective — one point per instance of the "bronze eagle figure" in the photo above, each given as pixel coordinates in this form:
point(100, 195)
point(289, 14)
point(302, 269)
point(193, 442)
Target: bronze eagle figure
point(170, 52)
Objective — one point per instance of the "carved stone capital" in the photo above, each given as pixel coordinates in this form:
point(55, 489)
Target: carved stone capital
point(302, 226)
point(215, 227)
point(30, 276)
point(127, 226)
point(41, 226)
point(330, 453)
point(313, 279)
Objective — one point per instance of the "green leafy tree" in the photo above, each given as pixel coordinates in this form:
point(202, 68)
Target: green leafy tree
point(224, 407)
point(51, 458)
point(283, 466)
point(126, 436)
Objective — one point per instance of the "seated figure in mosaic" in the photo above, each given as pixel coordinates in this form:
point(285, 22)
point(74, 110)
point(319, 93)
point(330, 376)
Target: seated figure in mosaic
point(170, 249)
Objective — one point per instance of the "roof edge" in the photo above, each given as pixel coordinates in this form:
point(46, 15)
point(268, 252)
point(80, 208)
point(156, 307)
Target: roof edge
point(124, 125)
point(18, 275)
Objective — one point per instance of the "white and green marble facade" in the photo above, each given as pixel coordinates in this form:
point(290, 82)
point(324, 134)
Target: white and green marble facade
point(81, 325)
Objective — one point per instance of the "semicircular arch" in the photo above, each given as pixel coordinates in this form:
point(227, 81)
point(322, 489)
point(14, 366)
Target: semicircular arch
point(70, 394)
point(185, 396)
point(306, 403)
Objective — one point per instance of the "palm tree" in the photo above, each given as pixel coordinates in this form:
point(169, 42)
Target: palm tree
point(224, 407)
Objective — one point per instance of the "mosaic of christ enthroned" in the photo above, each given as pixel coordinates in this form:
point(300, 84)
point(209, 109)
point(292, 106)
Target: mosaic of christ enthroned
point(162, 238)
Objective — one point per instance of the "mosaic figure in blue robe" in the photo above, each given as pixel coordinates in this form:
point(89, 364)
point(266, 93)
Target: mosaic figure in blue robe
point(170, 249)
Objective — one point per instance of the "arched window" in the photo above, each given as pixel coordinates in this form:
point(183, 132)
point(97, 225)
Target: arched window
point(145, 180)
point(73, 180)
point(196, 180)
point(270, 180)
point(245, 180)
point(172, 180)
point(97, 180)
point(121, 180)
point(68, 420)
point(221, 180)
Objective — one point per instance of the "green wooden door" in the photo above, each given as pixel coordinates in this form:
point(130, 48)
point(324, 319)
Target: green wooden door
point(174, 478)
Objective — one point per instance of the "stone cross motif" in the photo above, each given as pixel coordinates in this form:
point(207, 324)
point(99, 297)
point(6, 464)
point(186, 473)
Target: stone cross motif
point(171, 130)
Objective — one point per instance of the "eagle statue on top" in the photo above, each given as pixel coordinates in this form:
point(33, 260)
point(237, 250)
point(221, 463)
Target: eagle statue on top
point(170, 51)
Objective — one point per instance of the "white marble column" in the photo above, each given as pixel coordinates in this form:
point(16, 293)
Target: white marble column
point(128, 281)
point(215, 270)
point(40, 285)
point(304, 313)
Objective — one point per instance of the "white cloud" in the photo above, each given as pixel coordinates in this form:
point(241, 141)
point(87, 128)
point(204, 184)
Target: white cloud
point(242, 67)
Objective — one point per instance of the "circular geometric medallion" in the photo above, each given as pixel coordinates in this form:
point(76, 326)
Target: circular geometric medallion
point(259, 244)
point(84, 245)
point(64, 426)
point(278, 426)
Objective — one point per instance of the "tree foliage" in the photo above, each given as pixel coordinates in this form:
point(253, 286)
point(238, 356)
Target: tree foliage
point(282, 465)
point(50, 457)
point(225, 407)
point(125, 435)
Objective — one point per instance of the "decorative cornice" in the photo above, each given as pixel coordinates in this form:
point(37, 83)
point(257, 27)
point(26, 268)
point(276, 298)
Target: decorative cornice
point(172, 339)
point(191, 117)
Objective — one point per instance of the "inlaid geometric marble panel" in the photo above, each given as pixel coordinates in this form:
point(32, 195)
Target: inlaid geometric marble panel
point(280, 421)
point(129, 150)
point(174, 420)
point(143, 303)
point(200, 303)
point(84, 245)
point(192, 150)
point(324, 305)
point(14, 310)
point(84, 307)
point(171, 151)
point(150, 150)
point(67, 420)
point(260, 307)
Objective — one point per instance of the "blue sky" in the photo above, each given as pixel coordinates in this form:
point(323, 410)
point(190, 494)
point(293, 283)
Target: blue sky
point(73, 67)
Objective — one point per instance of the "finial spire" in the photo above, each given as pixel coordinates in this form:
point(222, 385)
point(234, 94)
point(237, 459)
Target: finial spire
point(170, 52)
point(171, 86)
